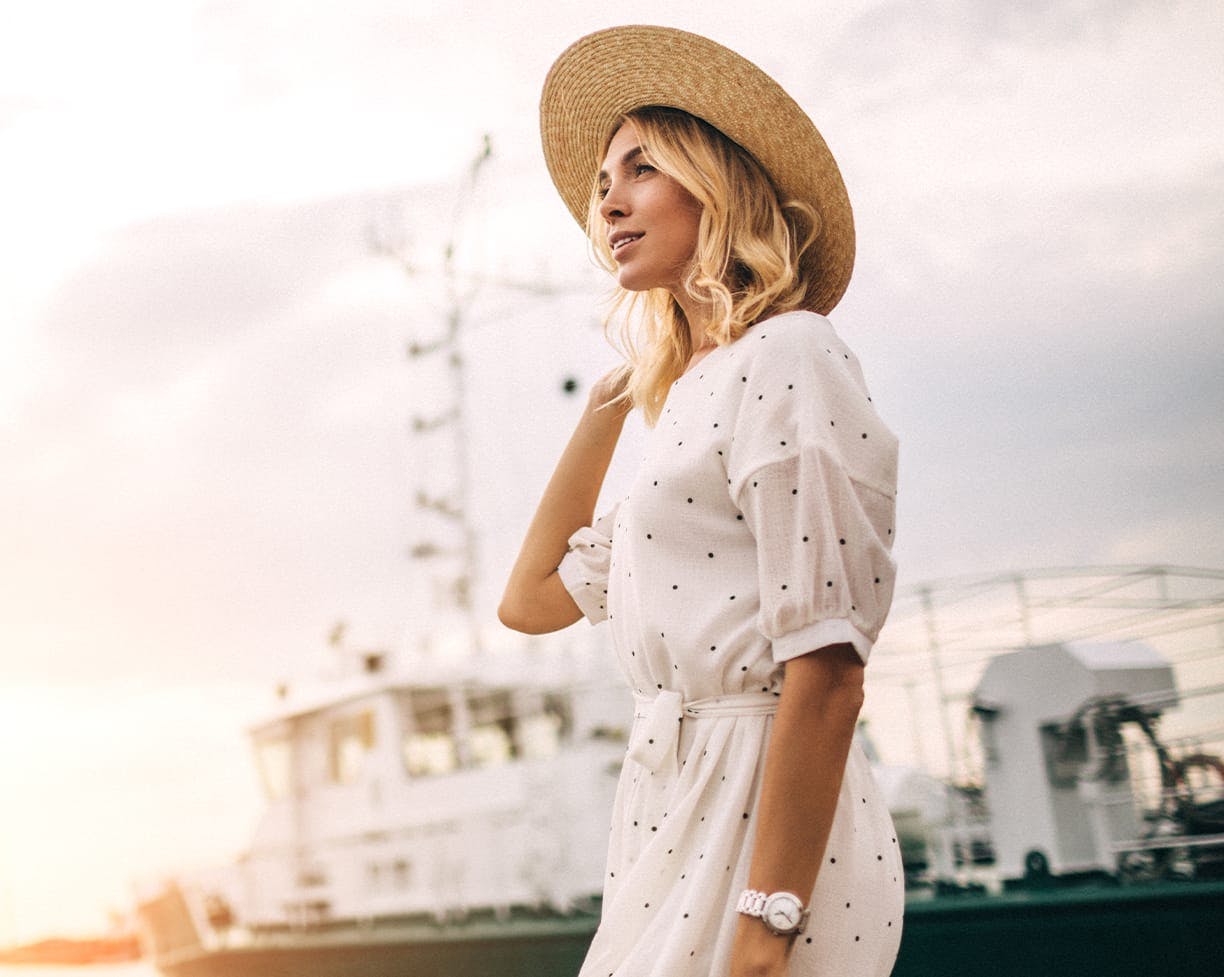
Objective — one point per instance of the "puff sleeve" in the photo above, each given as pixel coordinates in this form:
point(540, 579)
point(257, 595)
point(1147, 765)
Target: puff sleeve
point(584, 569)
point(814, 471)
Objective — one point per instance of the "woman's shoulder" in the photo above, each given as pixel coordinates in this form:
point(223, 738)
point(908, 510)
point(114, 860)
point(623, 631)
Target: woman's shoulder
point(796, 324)
point(793, 372)
point(804, 340)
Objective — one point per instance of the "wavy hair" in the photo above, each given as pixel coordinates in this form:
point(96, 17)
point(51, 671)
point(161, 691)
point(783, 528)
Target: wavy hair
point(745, 267)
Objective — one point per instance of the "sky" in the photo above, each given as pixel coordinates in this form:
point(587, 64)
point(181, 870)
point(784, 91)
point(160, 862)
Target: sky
point(223, 225)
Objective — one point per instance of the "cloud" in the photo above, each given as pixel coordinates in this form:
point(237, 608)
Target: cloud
point(215, 461)
point(167, 474)
point(219, 388)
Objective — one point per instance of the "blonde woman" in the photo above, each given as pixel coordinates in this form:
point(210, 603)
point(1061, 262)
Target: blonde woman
point(747, 573)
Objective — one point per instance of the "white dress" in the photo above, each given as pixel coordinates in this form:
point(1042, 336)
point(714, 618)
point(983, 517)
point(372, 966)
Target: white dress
point(758, 528)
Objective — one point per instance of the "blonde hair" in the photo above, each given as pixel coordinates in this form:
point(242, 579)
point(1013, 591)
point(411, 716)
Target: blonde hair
point(745, 267)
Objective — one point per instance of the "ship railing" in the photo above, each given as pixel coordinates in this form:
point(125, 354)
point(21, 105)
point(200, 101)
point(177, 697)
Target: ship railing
point(1166, 842)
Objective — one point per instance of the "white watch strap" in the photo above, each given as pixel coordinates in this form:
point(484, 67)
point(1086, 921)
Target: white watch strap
point(751, 902)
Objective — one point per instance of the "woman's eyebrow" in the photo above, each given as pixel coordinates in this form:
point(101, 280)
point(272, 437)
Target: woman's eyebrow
point(635, 152)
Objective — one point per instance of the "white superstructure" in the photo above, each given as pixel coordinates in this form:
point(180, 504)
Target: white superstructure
point(482, 788)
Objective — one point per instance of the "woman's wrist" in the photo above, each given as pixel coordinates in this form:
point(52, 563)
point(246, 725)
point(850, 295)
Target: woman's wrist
point(606, 419)
point(758, 952)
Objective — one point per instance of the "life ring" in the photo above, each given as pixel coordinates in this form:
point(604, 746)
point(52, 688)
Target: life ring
point(1036, 865)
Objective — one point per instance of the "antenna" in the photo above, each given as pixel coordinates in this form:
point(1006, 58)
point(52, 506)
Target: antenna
point(387, 238)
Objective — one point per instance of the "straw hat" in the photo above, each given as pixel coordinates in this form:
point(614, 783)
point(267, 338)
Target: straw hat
point(602, 76)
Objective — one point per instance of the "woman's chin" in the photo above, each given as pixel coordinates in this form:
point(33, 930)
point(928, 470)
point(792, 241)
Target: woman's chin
point(630, 281)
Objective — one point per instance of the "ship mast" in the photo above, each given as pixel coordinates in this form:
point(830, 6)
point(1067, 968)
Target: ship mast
point(454, 504)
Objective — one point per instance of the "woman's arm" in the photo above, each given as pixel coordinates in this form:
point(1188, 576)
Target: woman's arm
point(535, 600)
point(812, 732)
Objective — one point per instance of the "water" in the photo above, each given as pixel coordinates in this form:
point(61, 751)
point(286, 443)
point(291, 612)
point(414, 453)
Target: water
point(137, 969)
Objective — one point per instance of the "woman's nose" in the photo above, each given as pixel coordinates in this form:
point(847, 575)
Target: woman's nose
point(613, 204)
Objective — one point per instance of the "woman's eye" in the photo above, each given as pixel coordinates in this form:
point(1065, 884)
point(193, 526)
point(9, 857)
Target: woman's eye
point(641, 168)
point(601, 192)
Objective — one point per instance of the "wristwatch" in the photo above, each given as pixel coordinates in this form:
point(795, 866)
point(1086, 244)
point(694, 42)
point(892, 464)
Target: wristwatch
point(782, 912)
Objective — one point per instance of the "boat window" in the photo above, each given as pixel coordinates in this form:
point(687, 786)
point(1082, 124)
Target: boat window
point(272, 757)
point(1066, 751)
point(984, 723)
point(429, 741)
point(489, 745)
point(491, 733)
point(352, 737)
point(540, 735)
point(1069, 758)
point(426, 754)
point(546, 721)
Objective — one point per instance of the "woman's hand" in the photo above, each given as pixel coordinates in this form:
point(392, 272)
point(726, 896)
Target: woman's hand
point(606, 389)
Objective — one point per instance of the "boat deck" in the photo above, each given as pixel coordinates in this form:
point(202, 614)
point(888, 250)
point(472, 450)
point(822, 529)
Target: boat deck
point(1147, 930)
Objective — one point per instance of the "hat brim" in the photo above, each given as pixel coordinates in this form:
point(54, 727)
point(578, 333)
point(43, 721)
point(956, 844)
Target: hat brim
point(601, 77)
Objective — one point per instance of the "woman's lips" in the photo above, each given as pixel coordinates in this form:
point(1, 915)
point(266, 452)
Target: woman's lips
point(618, 242)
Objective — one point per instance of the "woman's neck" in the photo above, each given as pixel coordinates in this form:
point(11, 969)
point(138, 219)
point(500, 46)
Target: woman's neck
point(697, 316)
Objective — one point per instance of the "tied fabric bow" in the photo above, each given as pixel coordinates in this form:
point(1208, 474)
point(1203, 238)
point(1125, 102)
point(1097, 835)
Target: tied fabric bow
point(656, 734)
point(655, 741)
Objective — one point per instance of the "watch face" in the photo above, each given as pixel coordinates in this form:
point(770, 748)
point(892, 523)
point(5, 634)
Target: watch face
point(782, 912)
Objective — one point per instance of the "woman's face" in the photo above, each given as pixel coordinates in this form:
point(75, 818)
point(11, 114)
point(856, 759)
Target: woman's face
point(651, 220)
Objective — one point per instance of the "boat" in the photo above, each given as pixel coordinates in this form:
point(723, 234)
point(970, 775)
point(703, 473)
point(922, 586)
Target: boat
point(426, 820)
point(451, 820)
point(1080, 825)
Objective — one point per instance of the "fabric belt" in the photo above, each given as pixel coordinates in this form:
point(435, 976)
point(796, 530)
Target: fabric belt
point(655, 741)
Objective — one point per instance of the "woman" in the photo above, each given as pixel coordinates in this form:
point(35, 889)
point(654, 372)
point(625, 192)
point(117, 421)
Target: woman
point(747, 573)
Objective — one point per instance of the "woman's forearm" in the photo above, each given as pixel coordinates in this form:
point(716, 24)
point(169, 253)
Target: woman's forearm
point(812, 732)
point(535, 600)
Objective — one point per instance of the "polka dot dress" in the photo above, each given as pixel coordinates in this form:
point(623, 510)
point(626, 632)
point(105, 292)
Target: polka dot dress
point(759, 528)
